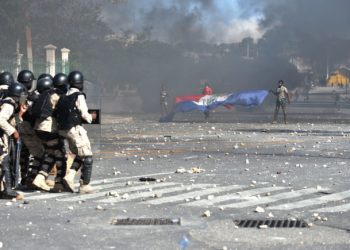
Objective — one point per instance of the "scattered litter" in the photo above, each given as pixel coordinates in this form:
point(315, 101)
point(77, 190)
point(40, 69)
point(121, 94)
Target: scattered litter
point(263, 227)
point(194, 170)
point(259, 210)
point(210, 197)
point(180, 171)
point(125, 196)
point(99, 207)
point(206, 214)
point(197, 198)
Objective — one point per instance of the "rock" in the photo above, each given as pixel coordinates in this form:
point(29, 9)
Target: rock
point(210, 197)
point(125, 196)
point(180, 171)
point(259, 210)
point(206, 214)
point(196, 170)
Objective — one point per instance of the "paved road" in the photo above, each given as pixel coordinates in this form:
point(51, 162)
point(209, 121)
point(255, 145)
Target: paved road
point(293, 171)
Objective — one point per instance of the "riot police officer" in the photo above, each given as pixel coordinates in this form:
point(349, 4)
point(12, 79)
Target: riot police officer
point(6, 79)
point(47, 130)
point(9, 108)
point(71, 111)
point(32, 144)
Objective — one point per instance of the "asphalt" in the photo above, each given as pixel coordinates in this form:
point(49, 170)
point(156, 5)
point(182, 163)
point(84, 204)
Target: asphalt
point(238, 155)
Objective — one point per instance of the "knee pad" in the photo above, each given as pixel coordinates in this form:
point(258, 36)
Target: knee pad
point(88, 161)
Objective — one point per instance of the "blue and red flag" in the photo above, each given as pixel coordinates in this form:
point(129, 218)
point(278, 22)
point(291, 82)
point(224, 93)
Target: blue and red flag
point(209, 102)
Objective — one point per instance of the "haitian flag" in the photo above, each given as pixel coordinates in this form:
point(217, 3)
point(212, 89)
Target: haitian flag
point(209, 102)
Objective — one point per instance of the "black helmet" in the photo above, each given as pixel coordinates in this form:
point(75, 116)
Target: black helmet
point(6, 78)
point(43, 84)
point(16, 89)
point(76, 80)
point(59, 80)
point(26, 77)
point(46, 76)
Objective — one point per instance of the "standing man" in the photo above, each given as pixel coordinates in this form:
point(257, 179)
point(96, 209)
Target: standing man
point(163, 101)
point(281, 102)
point(207, 91)
point(71, 111)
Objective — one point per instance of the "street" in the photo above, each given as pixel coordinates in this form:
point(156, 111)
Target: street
point(207, 175)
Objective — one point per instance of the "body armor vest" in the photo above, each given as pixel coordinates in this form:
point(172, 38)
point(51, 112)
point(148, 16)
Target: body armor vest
point(68, 115)
point(42, 107)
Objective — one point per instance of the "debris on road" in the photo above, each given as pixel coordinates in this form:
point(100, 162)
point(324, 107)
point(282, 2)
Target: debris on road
point(259, 210)
point(147, 179)
point(194, 170)
point(206, 214)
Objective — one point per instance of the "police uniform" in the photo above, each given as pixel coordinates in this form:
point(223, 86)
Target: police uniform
point(8, 108)
point(47, 130)
point(31, 143)
point(71, 111)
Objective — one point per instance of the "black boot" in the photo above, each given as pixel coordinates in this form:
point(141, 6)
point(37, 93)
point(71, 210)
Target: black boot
point(8, 192)
point(86, 171)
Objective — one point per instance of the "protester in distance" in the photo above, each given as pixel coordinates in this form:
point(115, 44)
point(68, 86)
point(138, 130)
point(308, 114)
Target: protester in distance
point(281, 101)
